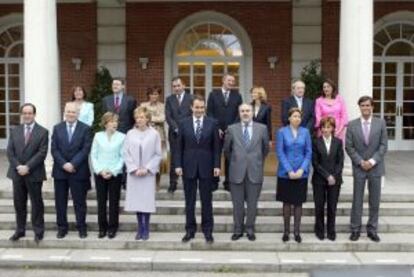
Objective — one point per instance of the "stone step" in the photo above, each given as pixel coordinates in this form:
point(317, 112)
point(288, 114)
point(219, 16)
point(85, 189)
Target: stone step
point(217, 261)
point(264, 224)
point(265, 208)
point(221, 195)
point(403, 242)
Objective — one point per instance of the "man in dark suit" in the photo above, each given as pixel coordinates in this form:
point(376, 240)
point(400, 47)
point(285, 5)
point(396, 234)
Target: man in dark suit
point(121, 104)
point(177, 107)
point(366, 144)
point(26, 152)
point(198, 161)
point(223, 105)
point(298, 100)
point(71, 144)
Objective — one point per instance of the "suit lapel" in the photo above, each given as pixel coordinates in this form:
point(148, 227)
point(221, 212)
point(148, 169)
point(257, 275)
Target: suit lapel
point(255, 136)
point(371, 130)
point(124, 104)
point(359, 131)
point(111, 104)
point(21, 135)
point(32, 136)
point(293, 102)
point(261, 109)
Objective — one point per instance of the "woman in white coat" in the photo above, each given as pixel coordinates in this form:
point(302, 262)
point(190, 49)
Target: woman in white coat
point(142, 154)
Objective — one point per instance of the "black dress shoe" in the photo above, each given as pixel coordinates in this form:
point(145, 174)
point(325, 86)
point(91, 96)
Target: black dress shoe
point(235, 237)
point(374, 237)
point(187, 237)
point(251, 237)
point(16, 236)
point(320, 236)
point(331, 236)
point(111, 234)
point(172, 188)
point(226, 186)
point(83, 234)
point(209, 239)
point(285, 237)
point(38, 238)
point(61, 234)
point(354, 236)
point(298, 238)
point(101, 234)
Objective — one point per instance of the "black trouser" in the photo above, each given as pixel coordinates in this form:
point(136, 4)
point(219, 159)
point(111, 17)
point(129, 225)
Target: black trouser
point(21, 189)
point(172, 139)
point(108, 190)
point(206, 196)
point(78, 190)
point(323, 193)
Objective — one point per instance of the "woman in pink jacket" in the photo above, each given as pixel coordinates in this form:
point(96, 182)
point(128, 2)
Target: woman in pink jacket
point(330, 103)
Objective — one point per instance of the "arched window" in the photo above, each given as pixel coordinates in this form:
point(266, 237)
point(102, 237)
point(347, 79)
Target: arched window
point(203, 47)
point(11, 72)
point(393, 88)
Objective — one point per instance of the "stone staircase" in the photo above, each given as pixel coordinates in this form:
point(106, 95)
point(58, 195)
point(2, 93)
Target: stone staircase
point(165, 252)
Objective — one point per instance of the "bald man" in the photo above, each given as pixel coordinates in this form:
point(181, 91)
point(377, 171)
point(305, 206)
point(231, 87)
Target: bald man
point(71, 144)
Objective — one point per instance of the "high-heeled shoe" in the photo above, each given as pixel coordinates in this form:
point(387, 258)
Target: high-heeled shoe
point(285, 237)
point(298, 238)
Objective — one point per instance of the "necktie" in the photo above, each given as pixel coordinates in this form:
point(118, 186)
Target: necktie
point(198, 130)
point(70, 132)
point(246, 137)
point(226, 97)
point(179, 99)
point(366, 132)
point(117, 104)
point(28, 134)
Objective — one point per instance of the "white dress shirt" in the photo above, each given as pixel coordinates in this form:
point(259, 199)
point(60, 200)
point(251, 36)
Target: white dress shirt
point(327, 142)
point(249, 128)
point(299, 100)
point(195, 123)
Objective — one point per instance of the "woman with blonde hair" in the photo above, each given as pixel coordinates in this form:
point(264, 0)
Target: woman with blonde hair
point(142, 153)
point(262, 110)
point(107, 163)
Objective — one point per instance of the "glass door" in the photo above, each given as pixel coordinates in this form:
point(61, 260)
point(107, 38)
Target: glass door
point(201, 77)
point(11, 80)
point(393, 94)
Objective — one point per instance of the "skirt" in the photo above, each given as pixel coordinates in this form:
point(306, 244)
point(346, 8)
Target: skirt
point(290, 191)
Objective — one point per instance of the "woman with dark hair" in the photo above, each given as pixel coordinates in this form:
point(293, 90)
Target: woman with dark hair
point(330, 103)
point(328, 162)
point(294, 151)
point(157, 110)
point(86, 112)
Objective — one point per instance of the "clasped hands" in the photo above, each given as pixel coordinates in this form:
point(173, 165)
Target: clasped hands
point(22, 170)
point(366, 165)
point(296, 175)
point(179, 171)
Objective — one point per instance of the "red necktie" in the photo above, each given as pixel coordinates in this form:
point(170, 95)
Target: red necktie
point(117, 104)
point(27, 135)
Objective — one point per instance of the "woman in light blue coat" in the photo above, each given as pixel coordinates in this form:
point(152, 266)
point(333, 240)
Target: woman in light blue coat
point(294, 152)
point(86, 111)
point(107, 163)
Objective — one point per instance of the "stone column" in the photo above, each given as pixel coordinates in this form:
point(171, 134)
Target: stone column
point(41, 61)
point(355, 56)
point(356, 52)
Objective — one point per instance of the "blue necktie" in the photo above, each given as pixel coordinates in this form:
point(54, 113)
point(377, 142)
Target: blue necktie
point(70, 132)
point(246, 137)
point(198, 130)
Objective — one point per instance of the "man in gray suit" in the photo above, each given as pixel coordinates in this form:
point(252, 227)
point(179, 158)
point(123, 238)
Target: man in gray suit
point(246, 146)
point(26, 151)
point(366, 145)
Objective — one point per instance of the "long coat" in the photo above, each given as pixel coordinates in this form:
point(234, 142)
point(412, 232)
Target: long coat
point(141, 149)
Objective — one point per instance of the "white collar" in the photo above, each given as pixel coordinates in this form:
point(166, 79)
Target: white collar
point(298, 98)
point(224, 90)
point(31, 125)
point(195, 119)
point(327, 140)
point(369, 120)
point(250, 124)
point(73, 124)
